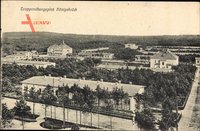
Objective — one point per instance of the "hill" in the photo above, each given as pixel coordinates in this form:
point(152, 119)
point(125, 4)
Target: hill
point(41, 40)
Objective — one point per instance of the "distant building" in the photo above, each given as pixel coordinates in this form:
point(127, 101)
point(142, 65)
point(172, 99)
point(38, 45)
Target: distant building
point(197, 61)
point(96, 53)
point(21, 55)
point(100, 55)
point(37, 64)
point(59, 50)
point(40, 82)
point(165, 59)
point(119, 64)
point(142, 58)
point(95, 49)
point(131, 46)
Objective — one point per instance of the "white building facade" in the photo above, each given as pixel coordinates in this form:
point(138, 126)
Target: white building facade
point(21, 55)
point(131, 46)
point(164, 59)
point(37, 64)
point(59, 50)
point(197, 61)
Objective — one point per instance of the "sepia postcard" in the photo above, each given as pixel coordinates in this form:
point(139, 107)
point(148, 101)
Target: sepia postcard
point(100, 65)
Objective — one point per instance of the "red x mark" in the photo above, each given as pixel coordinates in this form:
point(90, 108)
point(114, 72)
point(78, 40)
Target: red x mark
point(29, 22)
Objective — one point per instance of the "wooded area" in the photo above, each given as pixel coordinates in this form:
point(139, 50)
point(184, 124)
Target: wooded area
point(40, 41)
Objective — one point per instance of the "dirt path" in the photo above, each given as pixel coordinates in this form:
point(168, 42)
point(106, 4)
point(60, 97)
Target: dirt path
point(187, 112)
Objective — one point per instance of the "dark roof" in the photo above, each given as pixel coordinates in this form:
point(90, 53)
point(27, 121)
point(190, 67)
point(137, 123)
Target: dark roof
point(61, 46)
point(164, 55)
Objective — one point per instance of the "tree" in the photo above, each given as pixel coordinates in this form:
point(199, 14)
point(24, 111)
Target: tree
point(145, 119)
point(126, 54)
point(77, 98)
point(47, 97)
point(168, 119)
point(7, 85)
point(34, 96)
point(118, 95)
point(7, 116)
point(89, 99)
point(25, 92)
point(79, 101)
point(21, 109)
point(99, 95)
point(109, 107)
point(75, 127)
point(63, 98)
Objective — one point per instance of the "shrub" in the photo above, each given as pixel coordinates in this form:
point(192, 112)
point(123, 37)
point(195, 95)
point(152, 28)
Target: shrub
point(75, 127)
point(196, 108)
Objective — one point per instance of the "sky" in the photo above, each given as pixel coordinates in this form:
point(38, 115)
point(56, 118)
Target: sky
point(107, 18)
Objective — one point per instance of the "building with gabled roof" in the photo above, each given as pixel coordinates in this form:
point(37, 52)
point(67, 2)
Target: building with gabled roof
point(59, 50)
point(164, 59)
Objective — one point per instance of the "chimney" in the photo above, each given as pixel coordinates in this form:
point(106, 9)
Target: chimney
point(44, 76)
point(130, 82)
point(64, 76)
point(83, 78)
point(101, 80)
point(119, 81)
point(49, 75)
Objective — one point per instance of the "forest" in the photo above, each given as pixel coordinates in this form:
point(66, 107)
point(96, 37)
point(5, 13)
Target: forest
point(41, 40)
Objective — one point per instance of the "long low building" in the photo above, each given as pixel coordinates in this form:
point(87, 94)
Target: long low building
point(95, 49)
point(37, 64)
point(100, 55)
point(40, 82)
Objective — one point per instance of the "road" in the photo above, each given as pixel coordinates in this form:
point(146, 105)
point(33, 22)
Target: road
point(187, 111)
point(117, 123)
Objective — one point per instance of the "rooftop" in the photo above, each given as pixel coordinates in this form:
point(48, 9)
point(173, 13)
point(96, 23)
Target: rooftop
point(164, 55)
point(197, 58)
point(130, 44)
point(27, 62)
point(60, 81)
point(96, 49)
point(61, 46)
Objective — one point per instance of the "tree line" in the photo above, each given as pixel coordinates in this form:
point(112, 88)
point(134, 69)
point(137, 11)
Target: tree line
point(165, 92)
point(83, 99)
point(41, 40)
point(158, 85)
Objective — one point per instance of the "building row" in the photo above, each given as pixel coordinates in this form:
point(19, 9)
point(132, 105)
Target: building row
point(164, 59)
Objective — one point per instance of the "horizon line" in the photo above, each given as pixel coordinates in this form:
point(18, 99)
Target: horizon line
point(101, 34)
